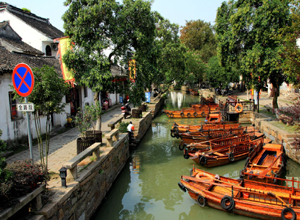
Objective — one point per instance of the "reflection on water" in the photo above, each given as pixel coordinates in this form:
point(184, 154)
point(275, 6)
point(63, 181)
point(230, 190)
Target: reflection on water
point(147, 186)
point(135, 164)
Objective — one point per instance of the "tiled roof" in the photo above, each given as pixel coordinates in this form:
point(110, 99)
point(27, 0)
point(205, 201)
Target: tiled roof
point(8, 61)
point(18, 46)
point(39, 23)
point(13, 42)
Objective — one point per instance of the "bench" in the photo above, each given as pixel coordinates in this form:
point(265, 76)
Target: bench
point(71, 165)
point(113, 123)
point(112, 136)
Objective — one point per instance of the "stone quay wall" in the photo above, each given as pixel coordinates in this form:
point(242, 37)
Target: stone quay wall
point(83, 196)
point(277, 135)
point(141, 126)
point(155, 105)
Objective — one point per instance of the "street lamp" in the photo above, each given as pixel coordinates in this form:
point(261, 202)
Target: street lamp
point(63, 175)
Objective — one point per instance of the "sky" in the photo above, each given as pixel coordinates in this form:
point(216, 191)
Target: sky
point(176, 11)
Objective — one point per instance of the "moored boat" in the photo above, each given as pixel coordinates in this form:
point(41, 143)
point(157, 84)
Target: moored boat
point(267, 160)
point(196, 111)
point(243, 197)
point(180, 128)
point(222, 151)
point(190, 137)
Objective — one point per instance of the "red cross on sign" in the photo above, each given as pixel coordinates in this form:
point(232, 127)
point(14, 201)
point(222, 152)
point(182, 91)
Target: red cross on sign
point(23, 79)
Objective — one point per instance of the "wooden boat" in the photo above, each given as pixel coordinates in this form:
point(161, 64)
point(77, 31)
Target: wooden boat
point(190, 137)
point(181, 128)
point(187, 137)
point(223, 151)
point(214, 118)
point(244, 197)
point(267, 160)
point(212, 106)
point(194, 112)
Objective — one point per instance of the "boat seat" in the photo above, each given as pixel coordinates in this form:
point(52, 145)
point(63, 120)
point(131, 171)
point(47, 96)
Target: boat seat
point(219, 154)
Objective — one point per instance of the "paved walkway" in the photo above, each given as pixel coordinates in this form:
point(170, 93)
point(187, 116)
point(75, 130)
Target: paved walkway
point(63, 146)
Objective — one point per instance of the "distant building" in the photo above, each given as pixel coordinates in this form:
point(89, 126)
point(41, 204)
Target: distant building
point(34, 30)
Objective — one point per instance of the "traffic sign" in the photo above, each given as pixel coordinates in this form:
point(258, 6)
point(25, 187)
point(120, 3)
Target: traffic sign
point(23, 79)
point(27, 107)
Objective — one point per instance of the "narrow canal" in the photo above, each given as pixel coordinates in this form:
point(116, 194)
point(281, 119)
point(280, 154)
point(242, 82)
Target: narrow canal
point(147, 186)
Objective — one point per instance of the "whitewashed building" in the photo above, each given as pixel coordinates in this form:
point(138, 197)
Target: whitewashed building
point(27, 38)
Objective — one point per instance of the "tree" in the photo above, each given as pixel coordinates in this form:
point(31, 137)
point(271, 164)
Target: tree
point(105, 33)
point(195, 66)
point(171, 54)
point(290, 51)
point(199, 35)
point(47, 94)
point(247, 34)
point(218, 75)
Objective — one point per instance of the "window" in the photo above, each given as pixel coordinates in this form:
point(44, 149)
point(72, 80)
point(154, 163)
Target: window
point(14, 113)
point(85, 92)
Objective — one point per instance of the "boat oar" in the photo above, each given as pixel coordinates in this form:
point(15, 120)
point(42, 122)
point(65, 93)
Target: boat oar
point(264, 173)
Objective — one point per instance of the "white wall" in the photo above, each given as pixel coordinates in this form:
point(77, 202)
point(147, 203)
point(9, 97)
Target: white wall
point(29, 35)
point(13, 129)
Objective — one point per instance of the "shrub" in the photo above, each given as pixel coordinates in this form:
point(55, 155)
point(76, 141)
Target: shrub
point(24, 178)
point(123, 127)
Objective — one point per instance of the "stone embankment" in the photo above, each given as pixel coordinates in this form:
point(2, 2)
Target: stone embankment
point(82, 196)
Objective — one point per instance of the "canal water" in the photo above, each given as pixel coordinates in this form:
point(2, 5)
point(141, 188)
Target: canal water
point(147, 188)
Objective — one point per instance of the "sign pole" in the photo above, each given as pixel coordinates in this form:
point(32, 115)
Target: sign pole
point(23, 82)
point(29, 133)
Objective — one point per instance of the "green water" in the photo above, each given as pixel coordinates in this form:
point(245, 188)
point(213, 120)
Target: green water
point(147, 186)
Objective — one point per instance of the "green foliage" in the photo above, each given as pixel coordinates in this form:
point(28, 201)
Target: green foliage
point(5, 175)
point(86, 119)
point(123, 127)
point(199, 35)
point(290, 51)
point(24, 179)
point(26, 10)
point(247, 34)
point(171, 60)
point(103, 31)
point(218, 75)
point(47, 94)
point(195, 66)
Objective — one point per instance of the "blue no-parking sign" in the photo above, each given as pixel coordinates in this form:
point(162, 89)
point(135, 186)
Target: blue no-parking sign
point(23, 79)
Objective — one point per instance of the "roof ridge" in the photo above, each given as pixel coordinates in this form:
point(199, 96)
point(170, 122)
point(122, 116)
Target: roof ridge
point(24, 13)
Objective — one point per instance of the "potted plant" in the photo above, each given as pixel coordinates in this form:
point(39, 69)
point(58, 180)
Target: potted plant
point(84, 121)
point(94, 111)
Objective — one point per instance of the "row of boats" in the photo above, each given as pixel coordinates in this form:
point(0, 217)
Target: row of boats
point(260, 192)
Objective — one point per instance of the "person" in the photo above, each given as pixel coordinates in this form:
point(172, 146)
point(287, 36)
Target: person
point(130, 129)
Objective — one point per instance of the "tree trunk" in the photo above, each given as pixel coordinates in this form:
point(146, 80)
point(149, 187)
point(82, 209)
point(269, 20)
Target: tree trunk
point(98, 122)
point(258, 99)
point(275, 98)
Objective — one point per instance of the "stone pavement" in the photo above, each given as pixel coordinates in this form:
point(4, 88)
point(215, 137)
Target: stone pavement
point(63, 146)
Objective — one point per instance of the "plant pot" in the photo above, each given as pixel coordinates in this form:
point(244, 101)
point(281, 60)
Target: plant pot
point(137, 113)
point(84, 143)
point(96, 134)
point(143, 107)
